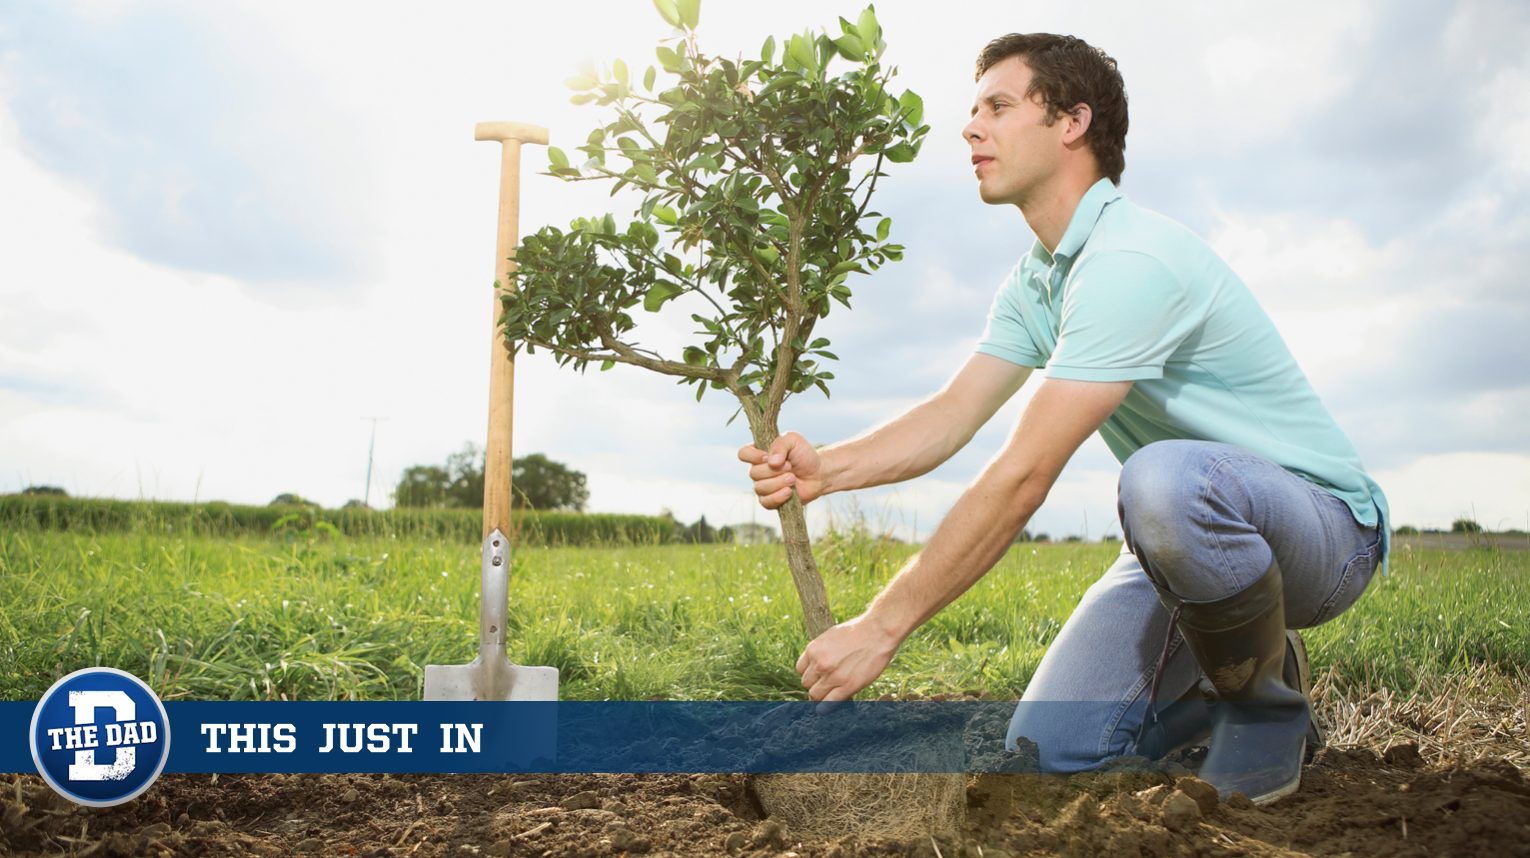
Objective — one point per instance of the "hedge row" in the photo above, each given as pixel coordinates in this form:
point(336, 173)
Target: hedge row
point(41, 512)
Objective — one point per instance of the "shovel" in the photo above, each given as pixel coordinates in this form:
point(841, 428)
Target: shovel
point(491, 676)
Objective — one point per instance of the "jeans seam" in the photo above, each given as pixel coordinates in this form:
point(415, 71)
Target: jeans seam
point(1325, 612)
point(1206, 504)
point(1144, 681)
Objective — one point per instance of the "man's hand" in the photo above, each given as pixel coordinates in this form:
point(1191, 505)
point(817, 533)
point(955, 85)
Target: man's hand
point(846, 658)
point(791, 462)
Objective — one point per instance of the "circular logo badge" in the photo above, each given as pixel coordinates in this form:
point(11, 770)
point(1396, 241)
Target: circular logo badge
point(100, 736)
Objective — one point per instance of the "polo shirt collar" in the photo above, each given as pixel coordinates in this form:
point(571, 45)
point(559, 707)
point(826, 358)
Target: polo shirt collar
point(1082, 224)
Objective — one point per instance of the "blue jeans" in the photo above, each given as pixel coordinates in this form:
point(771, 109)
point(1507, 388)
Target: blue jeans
point(1208, 519)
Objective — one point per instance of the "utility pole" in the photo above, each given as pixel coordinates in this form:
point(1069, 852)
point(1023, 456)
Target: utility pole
point(366, 499)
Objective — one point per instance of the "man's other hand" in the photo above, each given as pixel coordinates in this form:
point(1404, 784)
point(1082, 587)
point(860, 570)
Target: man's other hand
point(845, 659)
point(791, 462)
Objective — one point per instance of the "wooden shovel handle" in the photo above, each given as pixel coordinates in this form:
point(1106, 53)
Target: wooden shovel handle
point(497, 453)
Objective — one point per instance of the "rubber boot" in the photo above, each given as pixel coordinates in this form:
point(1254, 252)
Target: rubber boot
point(1186, 722)
point(1179, 725)
point(1298, 675)
point(1259, 724)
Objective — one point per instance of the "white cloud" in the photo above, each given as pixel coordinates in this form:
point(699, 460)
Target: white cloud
point(202, 144)
point(1433, 491)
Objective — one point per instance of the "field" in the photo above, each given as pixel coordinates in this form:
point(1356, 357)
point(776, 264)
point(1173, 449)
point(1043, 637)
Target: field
point(1433, 660)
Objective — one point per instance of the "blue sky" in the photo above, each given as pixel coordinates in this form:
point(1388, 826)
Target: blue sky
point(229, 232)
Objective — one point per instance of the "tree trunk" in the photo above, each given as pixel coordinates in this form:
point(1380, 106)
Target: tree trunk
point(816, 617)
point(799, 556)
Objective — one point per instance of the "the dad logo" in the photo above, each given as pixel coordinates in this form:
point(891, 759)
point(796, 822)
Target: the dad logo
point(100, 736)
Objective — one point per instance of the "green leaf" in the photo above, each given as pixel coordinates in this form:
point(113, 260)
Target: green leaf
point(606, 364)
point(581, 82)
point(884, 228)
point(660, 292)
point(847, 265)
point(667, 58)
point(695, 356)
point(767, 254)
point(648, 78)
point(768, 51)
point(868, 28)
point(668, 11)
point(913, 107)
point(583, 98)
point(690, 13)
point(665, 214)
point(619, 69)
point(901, 153)
point(802, 51)
point(556, 157)
point(850, 48)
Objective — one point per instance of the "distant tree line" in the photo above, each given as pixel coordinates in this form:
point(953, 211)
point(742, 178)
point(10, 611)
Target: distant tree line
point(699, 533)
point(538, 484)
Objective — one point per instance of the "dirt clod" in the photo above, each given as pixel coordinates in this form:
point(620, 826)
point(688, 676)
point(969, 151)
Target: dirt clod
point(1203, 794)
point(1405, 756)
point(623, 839)
point(1239, 801)
point(1180, 812)
point(768, 836)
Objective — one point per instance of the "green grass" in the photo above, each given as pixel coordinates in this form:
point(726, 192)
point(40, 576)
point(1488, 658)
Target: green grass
point(358, 618)
point(1437, 613)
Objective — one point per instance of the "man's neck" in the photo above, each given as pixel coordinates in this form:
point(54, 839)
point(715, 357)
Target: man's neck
point(1049, 211)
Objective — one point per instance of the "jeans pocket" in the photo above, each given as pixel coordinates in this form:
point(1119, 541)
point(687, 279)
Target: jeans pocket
point(1352, 584)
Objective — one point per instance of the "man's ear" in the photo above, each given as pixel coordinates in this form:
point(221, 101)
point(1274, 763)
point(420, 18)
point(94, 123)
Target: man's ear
point(1078, 120)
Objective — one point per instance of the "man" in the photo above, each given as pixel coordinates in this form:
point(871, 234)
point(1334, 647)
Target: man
point(1244, 508)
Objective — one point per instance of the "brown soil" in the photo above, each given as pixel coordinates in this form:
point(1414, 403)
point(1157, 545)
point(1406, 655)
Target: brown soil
point(1351, 803)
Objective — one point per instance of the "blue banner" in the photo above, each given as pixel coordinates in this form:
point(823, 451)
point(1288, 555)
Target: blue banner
point(668, 736)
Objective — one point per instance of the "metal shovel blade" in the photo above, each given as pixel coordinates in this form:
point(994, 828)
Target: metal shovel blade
point(491, 676)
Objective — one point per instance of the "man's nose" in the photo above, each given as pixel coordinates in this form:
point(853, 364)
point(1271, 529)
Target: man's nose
point(972, 132)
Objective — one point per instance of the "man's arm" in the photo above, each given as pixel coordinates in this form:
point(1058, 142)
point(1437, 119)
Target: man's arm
point(911, 444)
point(971, 539)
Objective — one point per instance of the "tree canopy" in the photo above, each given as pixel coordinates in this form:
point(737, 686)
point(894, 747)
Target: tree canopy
point(539, 483)
point(755, 178)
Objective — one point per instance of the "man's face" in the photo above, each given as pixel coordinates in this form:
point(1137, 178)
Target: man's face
point(1014, 151)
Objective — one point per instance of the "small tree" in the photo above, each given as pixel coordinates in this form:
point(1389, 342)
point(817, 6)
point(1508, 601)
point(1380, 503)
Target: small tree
point(541, 483)
point(464, 472)
point(422, 486)
point(751, 204)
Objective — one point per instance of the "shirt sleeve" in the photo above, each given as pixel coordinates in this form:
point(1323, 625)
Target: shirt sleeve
point(1006, 335)
point(1123, 315)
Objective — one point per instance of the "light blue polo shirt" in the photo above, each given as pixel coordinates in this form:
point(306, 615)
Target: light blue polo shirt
point(1130, 295)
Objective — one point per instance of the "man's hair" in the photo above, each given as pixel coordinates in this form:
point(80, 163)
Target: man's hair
point(1066, 71)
